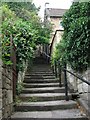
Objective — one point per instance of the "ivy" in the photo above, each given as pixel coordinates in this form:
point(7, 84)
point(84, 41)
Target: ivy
point(76, 37)
point(21, 21)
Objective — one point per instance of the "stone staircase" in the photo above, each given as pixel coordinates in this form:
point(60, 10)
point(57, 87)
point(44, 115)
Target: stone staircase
point(43, 99)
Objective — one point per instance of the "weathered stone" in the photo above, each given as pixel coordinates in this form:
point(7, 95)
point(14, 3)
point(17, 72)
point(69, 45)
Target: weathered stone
point(0, 93)
point(10, 96)
point(41, 100)
point(0, 83)
point(7, 92)
point(0, 103)
point(0, 114)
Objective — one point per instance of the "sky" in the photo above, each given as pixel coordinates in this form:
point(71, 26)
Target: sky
point(64, 4)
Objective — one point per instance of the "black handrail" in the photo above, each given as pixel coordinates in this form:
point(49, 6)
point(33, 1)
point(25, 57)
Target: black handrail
point(77, 76)
point(59, 71)
point(66, 83)
point(65, 75)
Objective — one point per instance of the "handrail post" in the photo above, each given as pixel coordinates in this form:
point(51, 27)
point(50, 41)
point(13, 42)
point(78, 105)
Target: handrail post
point(52, 68)
point(56, 68)
point(59, 69)
point(48, 59)
point(66, 83)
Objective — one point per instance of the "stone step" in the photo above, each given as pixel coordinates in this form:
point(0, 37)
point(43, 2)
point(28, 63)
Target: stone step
point(37, 85)
point(73, 114)
point(39, 74)
point(41, 81)
point(46, 106)
point(40, 77)
point(42, 67)
point(41, 70)
point(44, 90)
point(43, 96)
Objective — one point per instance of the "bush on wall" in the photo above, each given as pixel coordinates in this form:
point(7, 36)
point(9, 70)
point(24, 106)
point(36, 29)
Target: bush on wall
point(21, 20)
point(76, 37)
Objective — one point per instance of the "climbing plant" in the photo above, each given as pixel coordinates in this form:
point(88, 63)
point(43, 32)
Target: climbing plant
point(7, 17)
point(76, 37)
point(21, 21)
point(28, 12)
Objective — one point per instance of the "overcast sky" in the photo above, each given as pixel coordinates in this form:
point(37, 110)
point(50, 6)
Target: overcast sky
point(65, 4)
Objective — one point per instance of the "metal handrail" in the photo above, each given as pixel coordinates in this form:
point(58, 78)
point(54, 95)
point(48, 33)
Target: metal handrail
point(77, 76)
point(65, 75)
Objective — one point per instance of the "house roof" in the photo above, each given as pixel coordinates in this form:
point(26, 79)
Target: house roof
point(53, 12)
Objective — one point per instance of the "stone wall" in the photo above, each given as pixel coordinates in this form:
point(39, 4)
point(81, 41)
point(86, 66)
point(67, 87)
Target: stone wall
point(55, 26)
point(56, 23)
point(7, 92)
point(21, 74)
point(82, 88)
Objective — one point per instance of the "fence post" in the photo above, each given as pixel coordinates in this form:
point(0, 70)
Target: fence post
point(56, 68)
point(66, 83)
point(59, 70)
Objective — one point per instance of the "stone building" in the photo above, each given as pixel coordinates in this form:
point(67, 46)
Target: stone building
point(54, 16)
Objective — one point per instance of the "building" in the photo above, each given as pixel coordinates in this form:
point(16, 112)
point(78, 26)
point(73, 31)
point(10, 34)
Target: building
point(54, 16)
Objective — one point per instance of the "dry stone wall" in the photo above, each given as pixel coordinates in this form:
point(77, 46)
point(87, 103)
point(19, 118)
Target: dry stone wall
point(82, 88)
point(7, 92)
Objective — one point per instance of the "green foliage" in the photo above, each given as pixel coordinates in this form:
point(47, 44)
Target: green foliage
point(21, 21)
point(17, 100)
point(22, 38)
point(7, 17)
point(76, 37)
point(24, 41)
point(19, 88)
point(28, 12)
point(33, 99)
point(59, 53)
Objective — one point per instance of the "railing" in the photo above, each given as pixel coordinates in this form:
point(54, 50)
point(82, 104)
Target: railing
point(53, 39)
point(57, 69)
point(14, 73)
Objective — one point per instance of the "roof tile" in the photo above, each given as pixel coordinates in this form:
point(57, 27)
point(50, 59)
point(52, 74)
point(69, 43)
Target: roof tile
point(53, 12)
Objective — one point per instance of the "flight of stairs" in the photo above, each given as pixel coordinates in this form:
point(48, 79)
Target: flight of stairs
point(43, 99)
